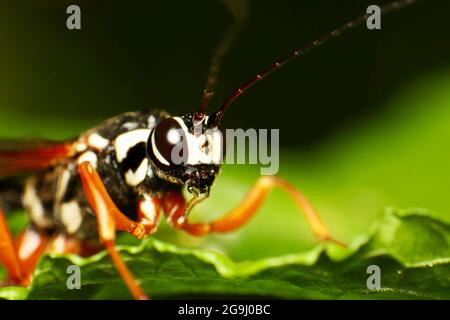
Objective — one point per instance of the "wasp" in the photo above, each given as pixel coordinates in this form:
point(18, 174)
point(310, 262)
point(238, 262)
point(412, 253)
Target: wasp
point(120, 176)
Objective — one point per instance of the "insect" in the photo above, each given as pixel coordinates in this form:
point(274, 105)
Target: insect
point(120, 176)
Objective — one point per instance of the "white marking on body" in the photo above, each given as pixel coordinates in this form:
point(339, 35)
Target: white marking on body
point(136, 177)
point(88, 156)
point(80, 146)
point(128, 140)
point(63, 181)
point(130, 125)
point(97, 141)
point(34, 206)
point(151, 122)
point(71, 216)
point(30, 242)
point(147, 207)
point(58, 245)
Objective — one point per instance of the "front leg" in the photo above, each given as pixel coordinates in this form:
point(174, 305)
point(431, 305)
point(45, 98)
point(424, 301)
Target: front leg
point(8, 253)
point(20, 256)
point(109, 219)
point(174, 206)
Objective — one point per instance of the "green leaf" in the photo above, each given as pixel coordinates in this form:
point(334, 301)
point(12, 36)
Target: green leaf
point(412, 249)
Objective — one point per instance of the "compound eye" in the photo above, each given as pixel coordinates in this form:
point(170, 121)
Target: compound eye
point(169, 142)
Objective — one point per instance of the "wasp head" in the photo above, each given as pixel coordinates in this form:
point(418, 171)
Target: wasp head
point(185, 150)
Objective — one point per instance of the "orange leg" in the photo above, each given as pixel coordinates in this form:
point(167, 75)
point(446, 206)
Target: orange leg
point(109, 218)
point(174, 206)
point(21, 256)
point(149, 214)
point(30, 245)
point(8, 255)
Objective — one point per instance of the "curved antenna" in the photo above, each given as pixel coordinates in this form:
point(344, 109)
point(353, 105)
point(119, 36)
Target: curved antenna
point(239, 11)
point(216, 117)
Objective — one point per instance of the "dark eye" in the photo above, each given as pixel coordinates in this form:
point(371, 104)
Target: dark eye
point(169, 142)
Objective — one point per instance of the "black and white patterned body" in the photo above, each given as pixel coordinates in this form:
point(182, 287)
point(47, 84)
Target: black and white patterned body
point(117, 148)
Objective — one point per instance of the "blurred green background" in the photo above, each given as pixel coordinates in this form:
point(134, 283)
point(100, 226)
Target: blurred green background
point(363, 120)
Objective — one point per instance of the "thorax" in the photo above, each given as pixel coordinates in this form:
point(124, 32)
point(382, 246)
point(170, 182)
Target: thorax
point(117, 150)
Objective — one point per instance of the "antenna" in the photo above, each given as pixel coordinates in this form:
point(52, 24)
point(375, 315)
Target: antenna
point(239, 10)
point(217, 116)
